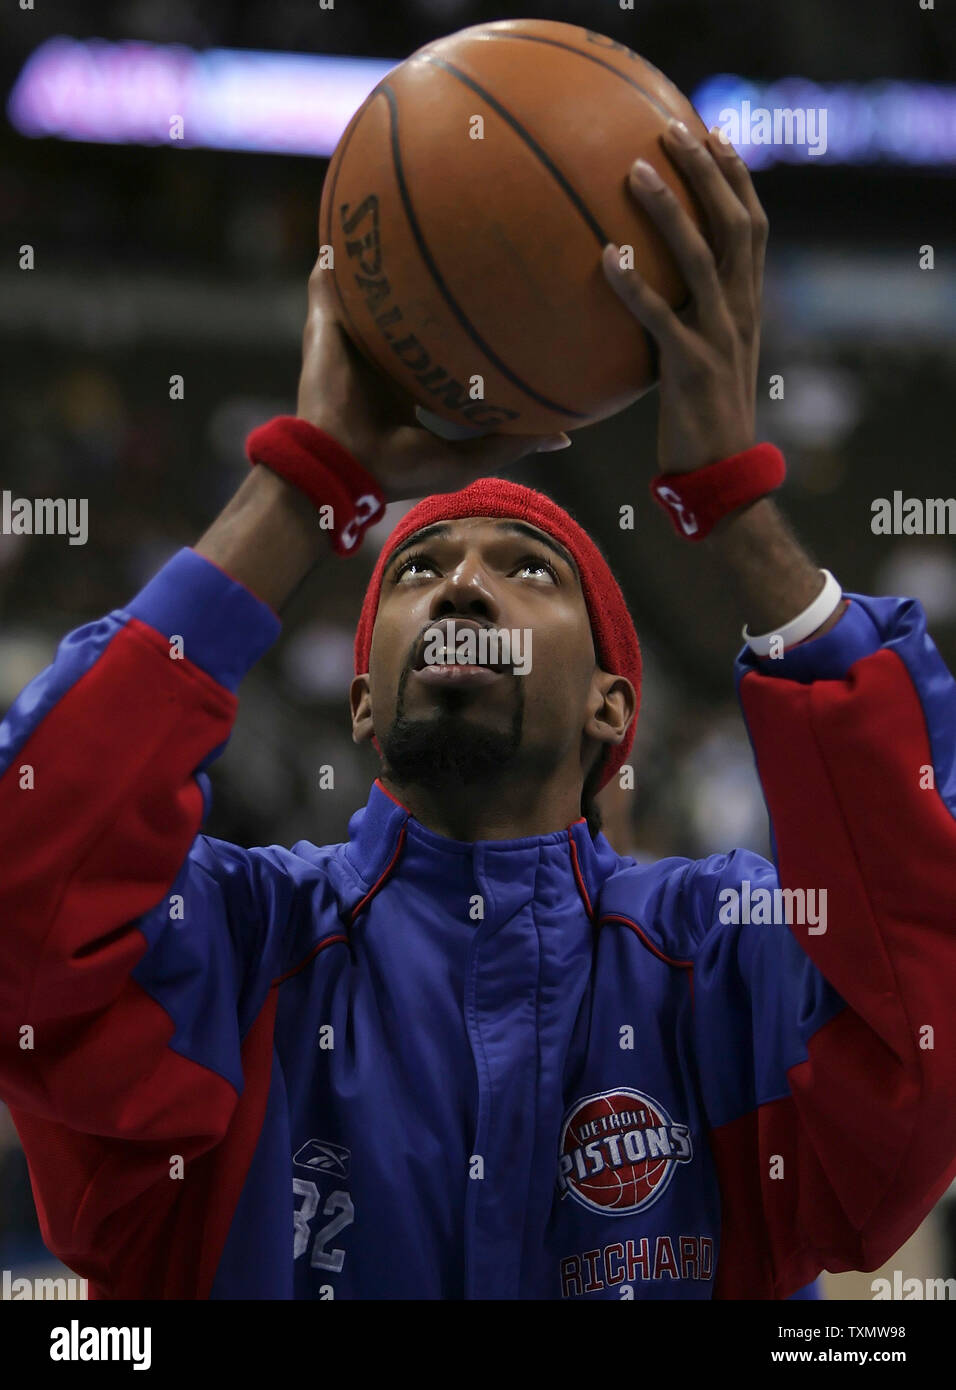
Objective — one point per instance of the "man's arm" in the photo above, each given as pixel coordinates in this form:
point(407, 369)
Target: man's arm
point(709, 355)
point(127, 939)
point(267, 537)
point(136, 954)
point(835, 1116)
point(824, 1045)
point(764, 564)
point(102, 757)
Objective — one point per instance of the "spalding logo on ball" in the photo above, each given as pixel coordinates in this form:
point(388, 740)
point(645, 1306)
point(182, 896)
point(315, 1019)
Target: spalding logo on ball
point(619, 1151)
point(467, 206)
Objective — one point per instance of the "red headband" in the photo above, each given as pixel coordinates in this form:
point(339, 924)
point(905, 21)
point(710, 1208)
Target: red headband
point(615, 641)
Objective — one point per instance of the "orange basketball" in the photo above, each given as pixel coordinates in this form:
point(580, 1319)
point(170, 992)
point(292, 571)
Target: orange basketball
point(468, 203)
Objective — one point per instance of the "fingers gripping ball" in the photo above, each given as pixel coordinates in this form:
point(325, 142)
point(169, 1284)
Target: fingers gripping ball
point(468, 205)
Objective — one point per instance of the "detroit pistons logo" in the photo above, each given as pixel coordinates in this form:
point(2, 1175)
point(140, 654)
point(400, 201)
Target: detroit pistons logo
point(619, 1150)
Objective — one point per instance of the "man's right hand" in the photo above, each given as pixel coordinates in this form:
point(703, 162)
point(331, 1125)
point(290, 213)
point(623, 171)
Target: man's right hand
point(375, 420)
point(268, 536)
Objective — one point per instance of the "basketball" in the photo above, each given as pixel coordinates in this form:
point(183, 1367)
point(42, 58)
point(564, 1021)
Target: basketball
point(467, 205)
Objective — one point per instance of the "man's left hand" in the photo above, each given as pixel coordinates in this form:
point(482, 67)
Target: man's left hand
point(709, 349)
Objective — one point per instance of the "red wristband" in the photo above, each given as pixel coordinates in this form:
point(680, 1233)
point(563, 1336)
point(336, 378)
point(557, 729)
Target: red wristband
point(327, 473)
point(696, 501)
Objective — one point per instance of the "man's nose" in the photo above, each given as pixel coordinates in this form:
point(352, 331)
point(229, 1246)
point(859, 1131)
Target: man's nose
point(466, 589)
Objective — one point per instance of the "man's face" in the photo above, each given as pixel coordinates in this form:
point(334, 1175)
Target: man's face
point(549, 705)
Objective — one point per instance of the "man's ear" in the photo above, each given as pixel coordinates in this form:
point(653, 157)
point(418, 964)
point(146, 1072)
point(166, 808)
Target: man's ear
point(360, 704)
point(611, 707)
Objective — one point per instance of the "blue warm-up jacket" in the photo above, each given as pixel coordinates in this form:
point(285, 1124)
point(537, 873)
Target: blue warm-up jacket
point(411, 1067)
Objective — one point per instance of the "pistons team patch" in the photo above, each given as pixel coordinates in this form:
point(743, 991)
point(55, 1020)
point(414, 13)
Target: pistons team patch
point(619, 1150)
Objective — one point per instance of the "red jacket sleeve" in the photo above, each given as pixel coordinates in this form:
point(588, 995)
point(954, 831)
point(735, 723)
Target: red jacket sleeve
point(121, 1036)
point(847, 1137)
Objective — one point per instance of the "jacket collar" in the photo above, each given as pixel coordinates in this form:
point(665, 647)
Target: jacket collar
point(384, 831)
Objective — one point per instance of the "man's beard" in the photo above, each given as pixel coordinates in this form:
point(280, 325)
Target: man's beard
point(449, 747)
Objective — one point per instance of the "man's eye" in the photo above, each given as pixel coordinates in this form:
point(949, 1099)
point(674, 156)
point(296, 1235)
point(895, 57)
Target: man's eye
point(420, 559)
point(535, 562)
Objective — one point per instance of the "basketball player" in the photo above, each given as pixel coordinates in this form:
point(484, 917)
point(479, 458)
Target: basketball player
point(472, 1052)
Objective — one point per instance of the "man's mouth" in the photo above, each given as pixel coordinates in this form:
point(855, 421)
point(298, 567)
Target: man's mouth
point(456, 676)
point(440, 661)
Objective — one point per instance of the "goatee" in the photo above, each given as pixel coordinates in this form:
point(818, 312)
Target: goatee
point(449, 748)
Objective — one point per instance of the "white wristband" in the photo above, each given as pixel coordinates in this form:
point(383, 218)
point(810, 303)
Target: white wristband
point(823, 606)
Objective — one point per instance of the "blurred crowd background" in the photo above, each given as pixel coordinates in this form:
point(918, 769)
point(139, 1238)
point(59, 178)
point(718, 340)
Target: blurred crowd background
point(155, 260)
